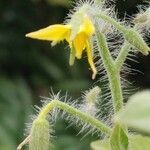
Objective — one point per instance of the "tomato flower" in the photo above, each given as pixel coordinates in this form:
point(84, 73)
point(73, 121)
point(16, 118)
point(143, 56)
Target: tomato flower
point(78, 33)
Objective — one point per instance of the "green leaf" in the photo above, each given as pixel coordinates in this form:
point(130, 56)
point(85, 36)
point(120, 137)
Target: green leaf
point(140, 142)
point(119, 139)
point(137, 142)
point(136, 113)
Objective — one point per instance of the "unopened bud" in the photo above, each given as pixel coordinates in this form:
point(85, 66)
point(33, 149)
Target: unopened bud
point(140, 18)
point(90, 98)
point(92, 95)
point(72, 56)
point(40, 136)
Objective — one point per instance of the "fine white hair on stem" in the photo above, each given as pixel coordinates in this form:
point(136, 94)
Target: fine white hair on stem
point(142, 18)
point(76, 121)
point(76, 6)
point(90, 100)
point(128, 87)
point(105, 107)
point(92, 8)
point(55, 113)
point(115, 42)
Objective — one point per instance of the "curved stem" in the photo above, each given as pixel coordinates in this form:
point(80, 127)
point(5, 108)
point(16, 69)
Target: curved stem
point(76, 113)
point(112, 72)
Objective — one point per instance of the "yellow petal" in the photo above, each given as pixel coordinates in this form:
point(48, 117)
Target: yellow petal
point(90, 59)
point(87, 26)
point(79, 44)
point(56, 32)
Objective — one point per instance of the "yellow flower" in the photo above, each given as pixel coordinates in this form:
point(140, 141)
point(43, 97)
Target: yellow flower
point(79, 40)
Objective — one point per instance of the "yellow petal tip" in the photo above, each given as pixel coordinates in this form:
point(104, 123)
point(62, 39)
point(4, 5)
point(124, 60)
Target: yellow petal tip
point(28, 35)
point(94, 74)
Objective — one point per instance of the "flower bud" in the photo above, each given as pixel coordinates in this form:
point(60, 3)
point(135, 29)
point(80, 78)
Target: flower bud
point(92, 95)
point(90, 100)
point(40, 135)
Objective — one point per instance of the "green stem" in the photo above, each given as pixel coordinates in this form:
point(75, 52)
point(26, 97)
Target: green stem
point(111, 21)
point(112, 72)
point(130, 34)
point(76, 113)
point(122, 55)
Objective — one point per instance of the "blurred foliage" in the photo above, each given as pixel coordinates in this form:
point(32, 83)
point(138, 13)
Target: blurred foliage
point(58, 2)
point(15, 99)
point(28, 68)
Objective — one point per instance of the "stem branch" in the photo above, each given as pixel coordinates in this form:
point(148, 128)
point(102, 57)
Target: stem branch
point(112, 72)
point(74, 112)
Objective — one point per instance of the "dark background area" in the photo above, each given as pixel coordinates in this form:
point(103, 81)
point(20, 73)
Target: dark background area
point(29, 68)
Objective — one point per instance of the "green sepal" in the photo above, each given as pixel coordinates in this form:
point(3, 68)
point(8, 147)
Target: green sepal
point(118, 139)
point(72, 56)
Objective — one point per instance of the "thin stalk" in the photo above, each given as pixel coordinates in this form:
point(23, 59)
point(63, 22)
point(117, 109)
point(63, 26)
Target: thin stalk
point(112, 72)
point(122, 55)
point(112, 22)
point(76, 113)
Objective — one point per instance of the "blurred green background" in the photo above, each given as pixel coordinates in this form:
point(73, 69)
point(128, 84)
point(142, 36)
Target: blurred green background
point(29, 68)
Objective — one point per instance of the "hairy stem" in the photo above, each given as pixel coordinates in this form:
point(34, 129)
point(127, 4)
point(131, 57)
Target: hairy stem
point(112, 72)
point(76, 113)
point(111, 21)
point(122, 55)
